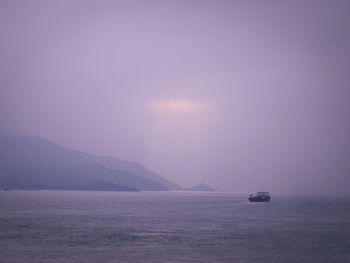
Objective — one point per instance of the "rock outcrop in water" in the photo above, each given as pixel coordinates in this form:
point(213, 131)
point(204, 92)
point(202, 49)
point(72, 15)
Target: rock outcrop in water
point(37, 163)
point(201, 187)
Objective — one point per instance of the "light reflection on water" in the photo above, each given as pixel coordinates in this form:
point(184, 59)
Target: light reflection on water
point(78, 226)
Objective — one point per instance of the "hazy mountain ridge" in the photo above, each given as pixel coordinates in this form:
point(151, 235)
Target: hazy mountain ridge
point(26, 161)
point(135, 168)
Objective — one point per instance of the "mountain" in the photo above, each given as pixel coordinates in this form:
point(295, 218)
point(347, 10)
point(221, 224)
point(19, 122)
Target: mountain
point(201, 187)
point(38, 161)
point(135, 168)
point(59, 178)
point(88, 176)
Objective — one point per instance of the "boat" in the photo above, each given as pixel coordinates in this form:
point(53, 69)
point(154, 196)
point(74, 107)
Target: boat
point(260, 197)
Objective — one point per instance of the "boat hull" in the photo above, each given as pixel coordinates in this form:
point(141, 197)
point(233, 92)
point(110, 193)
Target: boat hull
point(259, 199)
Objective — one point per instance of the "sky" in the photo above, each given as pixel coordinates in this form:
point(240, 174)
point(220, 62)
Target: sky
point(241, 95)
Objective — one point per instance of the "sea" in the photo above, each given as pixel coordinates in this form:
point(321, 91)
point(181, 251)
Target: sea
point(93, 226)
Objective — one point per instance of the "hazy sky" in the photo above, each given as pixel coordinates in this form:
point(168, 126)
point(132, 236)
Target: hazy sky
point(241, 95)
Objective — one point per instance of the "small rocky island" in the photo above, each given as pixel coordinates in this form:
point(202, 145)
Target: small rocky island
point(201, 187)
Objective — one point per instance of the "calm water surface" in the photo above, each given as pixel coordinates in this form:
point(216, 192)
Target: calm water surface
point(74, 226)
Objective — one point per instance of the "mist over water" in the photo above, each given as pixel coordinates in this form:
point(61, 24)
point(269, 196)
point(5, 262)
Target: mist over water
point(73, 226)
point(156, 95)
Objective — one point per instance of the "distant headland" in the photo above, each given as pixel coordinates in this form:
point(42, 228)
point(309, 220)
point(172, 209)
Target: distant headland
point(34, 163)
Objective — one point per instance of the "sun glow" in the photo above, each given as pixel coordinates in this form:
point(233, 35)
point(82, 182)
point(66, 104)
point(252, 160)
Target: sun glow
point(177, 106)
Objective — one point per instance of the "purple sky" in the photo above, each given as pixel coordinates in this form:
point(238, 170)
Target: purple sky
point(241, 95)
